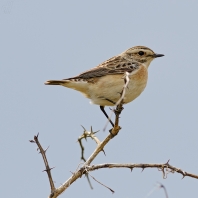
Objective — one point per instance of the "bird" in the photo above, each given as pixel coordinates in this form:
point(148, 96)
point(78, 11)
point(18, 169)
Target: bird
point(104, 83)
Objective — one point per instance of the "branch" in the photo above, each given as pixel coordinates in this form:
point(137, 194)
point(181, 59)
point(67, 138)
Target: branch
point(48, 169)
point(165, 168)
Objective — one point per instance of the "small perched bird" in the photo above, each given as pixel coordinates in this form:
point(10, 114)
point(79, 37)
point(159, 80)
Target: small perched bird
point(103, 84)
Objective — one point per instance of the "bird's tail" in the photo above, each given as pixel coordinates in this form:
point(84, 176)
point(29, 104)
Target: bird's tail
point(55, 82)
point(79, 86)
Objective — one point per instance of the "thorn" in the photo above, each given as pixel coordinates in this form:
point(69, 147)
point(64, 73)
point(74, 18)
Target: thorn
point(85, 136)
point(167, 163)
point(48, 169)
point(184, 174)
point(103, 152)
point(46, 149)
point(96, 132)
point(83, 128)
point(32, 141)
point(84, 133)
point(131, 169)
point(37, 135)
point(52, 168)
point(142, 169)
point(92, 132)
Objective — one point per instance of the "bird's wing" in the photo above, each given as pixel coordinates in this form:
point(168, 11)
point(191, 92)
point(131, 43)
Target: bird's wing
point(115, 65)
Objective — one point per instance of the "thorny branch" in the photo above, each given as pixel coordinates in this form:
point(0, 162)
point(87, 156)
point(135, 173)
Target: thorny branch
point(48, 169)
point(164, 168)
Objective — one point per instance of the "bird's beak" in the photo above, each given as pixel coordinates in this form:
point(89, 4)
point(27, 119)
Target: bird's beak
point(157, 55)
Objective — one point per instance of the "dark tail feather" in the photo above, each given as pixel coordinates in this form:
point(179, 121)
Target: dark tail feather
point(54, 82)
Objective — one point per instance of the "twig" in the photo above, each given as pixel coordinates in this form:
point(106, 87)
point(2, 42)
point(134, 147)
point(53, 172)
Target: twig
point(84, 136)
point(82, 150)
point(48, 169)
point(102, 183)
point(89, 182)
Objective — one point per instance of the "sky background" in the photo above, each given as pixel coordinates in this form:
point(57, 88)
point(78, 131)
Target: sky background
point(42, 40)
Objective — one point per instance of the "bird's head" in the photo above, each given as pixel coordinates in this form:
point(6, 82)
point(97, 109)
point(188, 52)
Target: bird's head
point(141, 54)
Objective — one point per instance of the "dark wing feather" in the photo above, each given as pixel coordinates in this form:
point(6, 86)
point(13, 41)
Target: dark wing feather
point(115, 65)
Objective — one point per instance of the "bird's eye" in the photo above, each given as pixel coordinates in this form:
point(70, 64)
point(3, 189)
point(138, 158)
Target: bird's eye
point(141, 53)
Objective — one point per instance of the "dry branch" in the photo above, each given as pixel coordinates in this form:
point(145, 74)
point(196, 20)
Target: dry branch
point(47, 168)
point(164, 168)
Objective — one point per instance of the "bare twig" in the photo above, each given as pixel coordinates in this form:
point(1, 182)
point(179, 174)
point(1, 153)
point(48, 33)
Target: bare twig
point(82, 150)
point(89, 182)
point(48, 169)
point(102, 184)
point(84, 136)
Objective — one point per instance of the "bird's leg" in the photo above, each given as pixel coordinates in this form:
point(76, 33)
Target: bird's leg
point(103, 110)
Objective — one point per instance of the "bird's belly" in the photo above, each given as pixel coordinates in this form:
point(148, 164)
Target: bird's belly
point(107, 91)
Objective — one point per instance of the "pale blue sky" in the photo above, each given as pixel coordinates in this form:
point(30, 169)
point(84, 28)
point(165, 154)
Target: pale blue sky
point(41, 40)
